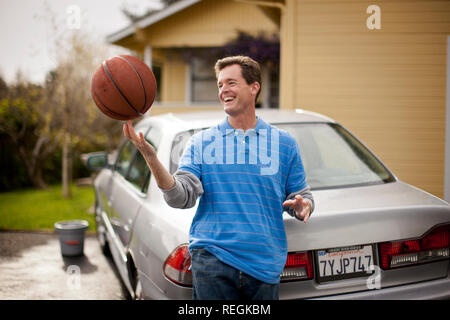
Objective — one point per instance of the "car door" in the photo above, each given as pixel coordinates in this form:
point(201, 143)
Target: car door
point(129, 189)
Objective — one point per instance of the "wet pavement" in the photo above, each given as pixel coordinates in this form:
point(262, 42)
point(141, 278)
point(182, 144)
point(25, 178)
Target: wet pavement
point(32, 268)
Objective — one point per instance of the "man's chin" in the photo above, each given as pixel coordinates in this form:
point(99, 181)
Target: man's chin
point(228, 110)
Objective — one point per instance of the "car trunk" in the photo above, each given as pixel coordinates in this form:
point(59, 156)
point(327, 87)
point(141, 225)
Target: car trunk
point(388, 212)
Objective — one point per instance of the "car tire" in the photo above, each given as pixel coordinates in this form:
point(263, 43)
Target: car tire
point(101, 232)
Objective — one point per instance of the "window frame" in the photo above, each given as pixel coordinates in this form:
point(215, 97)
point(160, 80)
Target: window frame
point(193, 79)
point(144, 188)
point(336, 126)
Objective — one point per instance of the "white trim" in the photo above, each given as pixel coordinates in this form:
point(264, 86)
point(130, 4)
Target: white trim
point(265, 93)
point(188, 84)
point(447, 130)
point(146, 22)
point(148, 56)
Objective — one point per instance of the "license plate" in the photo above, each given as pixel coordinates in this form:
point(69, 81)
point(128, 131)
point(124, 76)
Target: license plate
point(345, 262)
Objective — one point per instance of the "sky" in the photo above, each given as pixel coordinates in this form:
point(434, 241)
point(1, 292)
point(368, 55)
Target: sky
point(26, 37)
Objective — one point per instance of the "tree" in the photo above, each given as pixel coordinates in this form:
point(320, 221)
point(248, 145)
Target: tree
point(22, 121)
point(39, 120)
point(70, 103)
point(70, 111)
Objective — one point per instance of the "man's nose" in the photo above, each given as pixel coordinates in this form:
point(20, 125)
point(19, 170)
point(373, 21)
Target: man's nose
point(224, 88)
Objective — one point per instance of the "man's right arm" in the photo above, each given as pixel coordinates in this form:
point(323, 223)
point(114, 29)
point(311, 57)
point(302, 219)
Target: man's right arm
point(180, 190)
point(185, 192)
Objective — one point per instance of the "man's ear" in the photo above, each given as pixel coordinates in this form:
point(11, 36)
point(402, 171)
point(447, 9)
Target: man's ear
point(255, 88)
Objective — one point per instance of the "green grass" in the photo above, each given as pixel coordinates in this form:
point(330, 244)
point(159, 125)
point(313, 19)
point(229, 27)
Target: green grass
point(39, 209)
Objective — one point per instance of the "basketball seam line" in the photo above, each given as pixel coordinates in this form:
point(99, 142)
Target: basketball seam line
point(104, 105)
point(142, 82)
point(105, 67)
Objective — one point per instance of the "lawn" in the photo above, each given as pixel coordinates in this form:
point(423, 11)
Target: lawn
point(39, 209)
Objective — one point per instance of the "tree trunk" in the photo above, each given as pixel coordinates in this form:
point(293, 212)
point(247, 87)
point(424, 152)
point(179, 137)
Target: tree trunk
point(34, 168)
point(66, 167)
point(37, 179)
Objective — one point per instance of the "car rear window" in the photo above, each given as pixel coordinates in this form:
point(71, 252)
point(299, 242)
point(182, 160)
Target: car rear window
point(332, 156)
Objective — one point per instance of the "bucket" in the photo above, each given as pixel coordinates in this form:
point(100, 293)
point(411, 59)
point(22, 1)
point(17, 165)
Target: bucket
point(71, 236)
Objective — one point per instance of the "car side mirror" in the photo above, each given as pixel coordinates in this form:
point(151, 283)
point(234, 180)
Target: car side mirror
point(96, 161)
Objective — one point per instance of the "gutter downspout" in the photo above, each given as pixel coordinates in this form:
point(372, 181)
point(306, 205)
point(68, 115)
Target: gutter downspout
point(287, 47)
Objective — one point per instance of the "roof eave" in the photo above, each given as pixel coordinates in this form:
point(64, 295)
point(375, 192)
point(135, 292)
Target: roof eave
point(148, 21)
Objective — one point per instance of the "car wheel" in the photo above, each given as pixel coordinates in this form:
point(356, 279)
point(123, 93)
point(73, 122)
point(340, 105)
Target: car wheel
point(101, 232)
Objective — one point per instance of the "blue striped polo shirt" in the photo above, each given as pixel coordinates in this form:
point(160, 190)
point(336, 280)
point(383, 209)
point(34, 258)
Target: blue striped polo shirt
point(246, 176)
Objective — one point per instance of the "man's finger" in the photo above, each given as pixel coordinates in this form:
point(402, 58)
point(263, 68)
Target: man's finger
point(288, 203)
point(131, 131)
point(306, 211)
point(124, 129)
point(141, 136)
point(306, 218)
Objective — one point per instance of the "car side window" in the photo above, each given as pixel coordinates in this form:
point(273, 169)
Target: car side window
point(138, 173)
point(124, 158)
point(179, 144)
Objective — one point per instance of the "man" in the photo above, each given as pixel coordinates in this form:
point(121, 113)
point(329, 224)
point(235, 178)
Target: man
point(246, 173)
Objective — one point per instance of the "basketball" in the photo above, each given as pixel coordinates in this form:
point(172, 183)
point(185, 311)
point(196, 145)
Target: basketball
point(123, 87)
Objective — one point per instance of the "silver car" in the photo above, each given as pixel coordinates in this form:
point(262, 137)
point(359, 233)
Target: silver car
point(371, 235)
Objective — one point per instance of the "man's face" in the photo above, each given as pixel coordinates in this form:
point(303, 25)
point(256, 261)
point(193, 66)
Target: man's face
point(234, 93)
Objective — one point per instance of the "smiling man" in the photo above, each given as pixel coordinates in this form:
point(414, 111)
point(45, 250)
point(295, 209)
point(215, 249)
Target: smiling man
point(237, 239)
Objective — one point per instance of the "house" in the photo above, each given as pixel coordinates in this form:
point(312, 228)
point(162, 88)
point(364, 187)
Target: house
point(163, 39)
point(378, 67)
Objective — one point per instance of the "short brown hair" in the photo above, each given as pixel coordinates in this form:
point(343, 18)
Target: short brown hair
point(251, 71)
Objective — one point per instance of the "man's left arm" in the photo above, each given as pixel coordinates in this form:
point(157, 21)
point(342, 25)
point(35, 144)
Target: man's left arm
point(300, 204)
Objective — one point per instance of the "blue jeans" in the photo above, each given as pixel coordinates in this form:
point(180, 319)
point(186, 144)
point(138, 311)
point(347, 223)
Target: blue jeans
point(214, 280)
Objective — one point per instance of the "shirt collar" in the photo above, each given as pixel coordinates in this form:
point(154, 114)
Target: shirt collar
point(226, 128)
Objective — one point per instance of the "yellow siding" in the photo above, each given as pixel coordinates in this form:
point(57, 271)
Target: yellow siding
point(208, 23)
point(387, 86)
point(173, 80)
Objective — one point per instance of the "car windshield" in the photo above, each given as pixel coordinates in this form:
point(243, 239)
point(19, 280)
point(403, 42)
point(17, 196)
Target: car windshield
point(332, 157)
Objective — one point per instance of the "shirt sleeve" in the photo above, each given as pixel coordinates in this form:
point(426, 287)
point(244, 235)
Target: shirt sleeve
point(188, 186)
point(185, 192)
point(191, 159)
point(296, 179)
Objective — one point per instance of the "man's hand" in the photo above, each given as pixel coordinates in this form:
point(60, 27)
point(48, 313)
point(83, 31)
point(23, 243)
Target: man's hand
point(141, 144)
point(301, 206)
point(164, 179)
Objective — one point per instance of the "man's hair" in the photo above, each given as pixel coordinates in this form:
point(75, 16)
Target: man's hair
point(251, 71)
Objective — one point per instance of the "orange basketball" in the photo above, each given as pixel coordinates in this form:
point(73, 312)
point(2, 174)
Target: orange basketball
point(123, 87)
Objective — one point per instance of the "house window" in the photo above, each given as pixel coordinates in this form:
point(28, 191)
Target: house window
point(156, 68)
point(274, 96)
point(203, 82)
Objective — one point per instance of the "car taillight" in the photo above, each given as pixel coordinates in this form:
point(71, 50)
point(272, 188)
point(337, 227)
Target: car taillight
point(176, 267)
point(431, 247)
point(298, 267)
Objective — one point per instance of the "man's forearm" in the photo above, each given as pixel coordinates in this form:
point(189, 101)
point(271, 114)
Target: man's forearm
point(164, 179)
point(185, 192)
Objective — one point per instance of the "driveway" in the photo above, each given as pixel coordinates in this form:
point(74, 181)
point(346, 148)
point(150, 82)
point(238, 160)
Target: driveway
point(32, 267)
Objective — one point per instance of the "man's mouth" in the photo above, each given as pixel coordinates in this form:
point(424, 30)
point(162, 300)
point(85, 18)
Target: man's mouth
point(228, 99)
